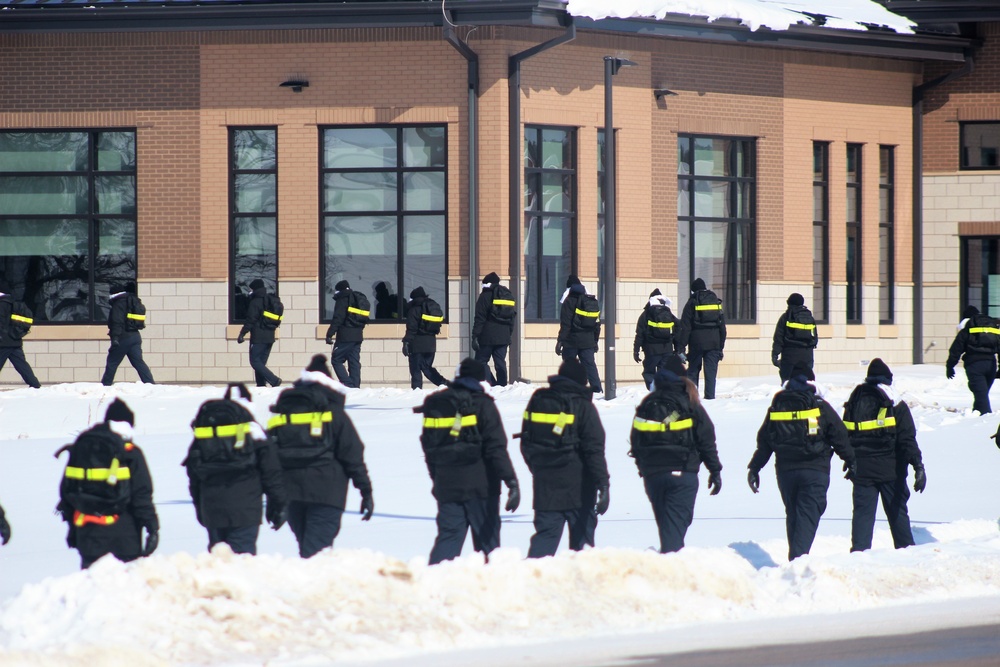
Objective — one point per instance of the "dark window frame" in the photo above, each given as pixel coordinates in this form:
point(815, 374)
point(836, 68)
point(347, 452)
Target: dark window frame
point(855, 189)
point(887, 289)
point(962, 154)
point(824, 183)
point(989, 249)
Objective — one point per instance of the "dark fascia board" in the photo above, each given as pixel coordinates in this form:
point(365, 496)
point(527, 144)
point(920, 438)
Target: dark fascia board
point(878, 43)
point(930, 12)
point(279, 15)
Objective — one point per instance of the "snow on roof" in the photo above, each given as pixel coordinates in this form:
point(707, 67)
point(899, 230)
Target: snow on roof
point(755, 14)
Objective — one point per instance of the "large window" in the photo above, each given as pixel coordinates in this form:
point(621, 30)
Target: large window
point(384, 207)
point(253, 214)
point(716, 193)
point(854, 233)
point(67, 220)
point(980, 145)
point(821, 231)
point(980, 258)
point(549, 218)
point(886, 234)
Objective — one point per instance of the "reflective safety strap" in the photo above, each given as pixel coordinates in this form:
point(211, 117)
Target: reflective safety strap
point(314, 419)
point(239, 431)
point(992, 330)
point(503, 302)
point(799, 325)
point(881, 421)
point(811, 417)
point(136, 316)
point(358, 311)
point(559, 420)
point(587, 313)
point(661, 325)
point(21, 318)
point(456, 423)
point(431, 318)
point(80, 519)
point(272, 316)
point(110, 475)
point(709, 306)
point(640, 424)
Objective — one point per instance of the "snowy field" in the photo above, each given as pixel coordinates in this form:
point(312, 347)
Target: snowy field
point(372, 599)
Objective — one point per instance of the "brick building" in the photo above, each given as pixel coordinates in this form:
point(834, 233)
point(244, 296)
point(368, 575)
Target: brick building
point(194, 147)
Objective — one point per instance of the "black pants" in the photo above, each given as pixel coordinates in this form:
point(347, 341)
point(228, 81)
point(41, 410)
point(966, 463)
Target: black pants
point(315, 526)
point(499, 355)
point(586, 357)
point(981, 374)
point(129, 345)
point(351, 353)
point(710, 359)
point(20, 364)
point(423, 362)
point(259, 353)
point(672, 496)
point(803, 492)
point(894, 496)
point(791, 356)
point(549, 527)
point(453, 522)
point(651, 364)
point(241, 539)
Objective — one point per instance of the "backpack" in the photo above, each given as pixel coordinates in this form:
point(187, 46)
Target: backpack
point(135, 314)
point(587, 313)
point(869, 417)
point(660, 324)
point(222, 442)
point(431, 317)
point(663, 429)
point(450, 436)
point(984, 335)
point(502, 308)
point(94, 481)
point(21, 319)
point(707, 309)
point(549, 432)
point(301, 427)
point(793, 422)
point(358, 310)
point(274, 310)
point(800, 328)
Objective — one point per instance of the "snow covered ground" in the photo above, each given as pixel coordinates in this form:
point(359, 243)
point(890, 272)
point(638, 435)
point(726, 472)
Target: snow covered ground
point(373, 598)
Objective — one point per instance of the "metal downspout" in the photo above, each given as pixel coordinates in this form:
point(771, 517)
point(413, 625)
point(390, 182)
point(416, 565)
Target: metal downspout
point(516, 206)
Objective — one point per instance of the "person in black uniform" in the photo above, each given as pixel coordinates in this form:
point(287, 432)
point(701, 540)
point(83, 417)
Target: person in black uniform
point(316, 485)
point(580, 330)
point(119, 533)
point(466, 463)
point(884, 439)
point(419, 346)
point(386, 303)
point(795, 337)
point(704, 335)
point(126, 341)
point(672, 435)
point(350, 334)
point(977, 343)
point(12, 329)
point(803, 431)
point(4, 528)
point(562, 441)
point(261, 337)
point(657, 333)
point(492, 328)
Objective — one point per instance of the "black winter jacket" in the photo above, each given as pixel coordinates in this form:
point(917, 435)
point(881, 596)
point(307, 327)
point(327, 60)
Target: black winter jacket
point(7, 339)
point(960, 348)
point(569, 335)
point(882, 460)
point(345, 332)
point(255, 316)
point(780, 341)
point(703, 449)
point(420, 342)
point(701, 339)
point(650, 344)
point(118, 316)
point(487, 331)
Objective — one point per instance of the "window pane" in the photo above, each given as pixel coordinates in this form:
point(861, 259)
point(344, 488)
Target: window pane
point(361, 250)
point(255, 255)
point(43, 151)
point(423, 191)
point(548, 263)
point(853, 164)
point(359, 147)
point(819, 161)
point(255, 149)
point(710, 244)
point(556, 149)
point(116, 151)
point(365, 191)
point(980, 145)
point(852, 204)
point(556, 193)
point(43, 195)
point(116, 256)
point(683, 155)
point(853, 284)
point(424, 253)
point(423, 147)
point(819, 272)
point(711, 199)
point(532, 154)
point(255, 193)
point(710, 157)
point(115, 194)
point(684, 254)
point(819, 203)
point(683, 198)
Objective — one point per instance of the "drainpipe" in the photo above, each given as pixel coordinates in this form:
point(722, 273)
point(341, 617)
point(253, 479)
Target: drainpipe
point(918, 200)
point(472, 58)
point(516, 205)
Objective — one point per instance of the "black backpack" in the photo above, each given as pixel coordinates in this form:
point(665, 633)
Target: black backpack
point(301, 427)
point(222, 442)
point(707, 309)
point(502, 308)
point(95, 482)
point(660, 324)
point(549, 430)
point(358, 310)
point(793, 422)
point(587, 313)
point(663, 429)
point(431, 317)
point(135, 314)
point(21, 319)
point(984, 335)
point(450, 435)
point(869, 417)
point(800, 328)
point(274, 310)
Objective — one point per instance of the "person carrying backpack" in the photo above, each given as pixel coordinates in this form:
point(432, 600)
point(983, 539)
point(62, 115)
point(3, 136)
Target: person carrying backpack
point(126, 317)
point(15, 322)
point(977, 344)
point(803, 431)
point(795, 337)
point(465, 447)
point(703, 335)
point(230, 464)
point(4, 528)
point(672, 435)
point(351, 312)
point(423, 322)
point(493, 326)
point(106, 493)
point(263, 319)
point(657, 334)
point(562, 441)
point(580, 329)
point(319, 450)
point(884, 439)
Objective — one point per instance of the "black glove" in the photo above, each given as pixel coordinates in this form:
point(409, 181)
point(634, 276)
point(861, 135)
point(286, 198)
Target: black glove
point(559, 348)
point(715, 483)
point(949, 372)
point(722, 355)
point(406, 349)
point(774, 361)
point(329, 340)
point(919, 479)
point(276, 514)
point(475, 345)
point(367, 505)
point(851, 470)
point(635, 355)
point(603, 500)
point(241, 338)
point(753, 479)
point(152, 540)
point(4, 528)
point(513, 495)
point(114, 342)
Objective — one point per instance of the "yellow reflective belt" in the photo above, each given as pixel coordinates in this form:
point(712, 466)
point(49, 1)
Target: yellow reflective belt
point(135, 316)
point(640, 424)
point(358, 311)
point(798, 325)
point(503, 302)
point(710, 306)
point(314, 419)
point(661, 325)
point(431, 318)
point(268, 314)
point(239, 431)
point(110, 475)
point(879, 422)
point(21, 318)
point(448, 422)
point(559, 420)
point(587, 313)
point(992, 330)
point(793, 416)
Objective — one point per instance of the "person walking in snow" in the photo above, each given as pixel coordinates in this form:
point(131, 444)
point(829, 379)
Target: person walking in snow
point(657, 336)
point(703, 335)
point(423, 323)
point(350, 315)
point(126, 317)
point(884, 439)
point(4, 528)
point(803, 431)
point(15, 322)
point(795, 337)
point(580, 329)
point(493, 326)
point(977, 344)
point(264, 315)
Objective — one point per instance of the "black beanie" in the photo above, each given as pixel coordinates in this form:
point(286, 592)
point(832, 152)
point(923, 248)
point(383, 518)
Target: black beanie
point(574, 370)
point(318, 365)
point(697, 285)
point(381, 289)
point(470, 368)
point(675, 366)
point(491, 279)
point(877, 369)
point(119, 412)
point(256, 283)
point(802, 369)
point(795, 299)
point(655, 292)
point(572, 280)
point(418, 293)
point(342, 285)
point(970, 311)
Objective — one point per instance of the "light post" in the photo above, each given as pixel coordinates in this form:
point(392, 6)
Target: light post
point(611, 67)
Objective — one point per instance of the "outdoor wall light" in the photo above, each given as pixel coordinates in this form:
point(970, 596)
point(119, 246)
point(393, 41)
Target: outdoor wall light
point(295, 84)
point(660, 93)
